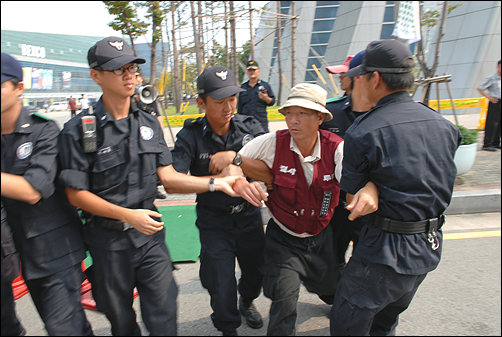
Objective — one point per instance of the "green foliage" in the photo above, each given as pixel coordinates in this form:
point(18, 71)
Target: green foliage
point(468, 136)
point(126, 20)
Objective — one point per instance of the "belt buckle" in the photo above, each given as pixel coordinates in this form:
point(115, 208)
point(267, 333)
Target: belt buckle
point(236, 209)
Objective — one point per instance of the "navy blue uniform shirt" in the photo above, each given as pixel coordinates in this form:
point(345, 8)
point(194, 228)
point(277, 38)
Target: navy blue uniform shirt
point(123, 171)
point(249, 103)
point(48, 234)
point(407, 150)
point(342, 113)
point(197, 141)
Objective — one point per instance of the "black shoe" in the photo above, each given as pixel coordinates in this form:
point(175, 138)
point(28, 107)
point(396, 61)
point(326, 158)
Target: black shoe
point(230, 333)
point(160, 195)
point(497, 146)
point(248, 310)
point(488, 148)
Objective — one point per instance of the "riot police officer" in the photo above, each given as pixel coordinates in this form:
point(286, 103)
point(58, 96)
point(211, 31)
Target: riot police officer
point(46, 228)
point(345, 110)
point(407, 150)
point(114, 182)
point(230, 227)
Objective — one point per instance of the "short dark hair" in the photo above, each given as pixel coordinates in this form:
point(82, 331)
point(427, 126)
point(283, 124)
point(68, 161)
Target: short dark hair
point(498, 63)
point(14, 81)
point(403, 81)
point(203, 97)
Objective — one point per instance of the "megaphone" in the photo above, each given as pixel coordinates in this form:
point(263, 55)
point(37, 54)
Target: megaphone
point(147, 94)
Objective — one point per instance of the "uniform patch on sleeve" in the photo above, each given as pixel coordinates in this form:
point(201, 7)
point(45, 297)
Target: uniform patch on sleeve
point(246, 139)
point(146, 132)
point(24, 150)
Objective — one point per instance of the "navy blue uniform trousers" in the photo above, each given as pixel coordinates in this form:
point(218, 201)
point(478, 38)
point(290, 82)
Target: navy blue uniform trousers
point(223, 238)
point(113, 276)
point(57, 299)
point(354, 313)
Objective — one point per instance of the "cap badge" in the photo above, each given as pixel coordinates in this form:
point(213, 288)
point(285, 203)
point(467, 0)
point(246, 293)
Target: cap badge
point(117, 44)
point(222, 74)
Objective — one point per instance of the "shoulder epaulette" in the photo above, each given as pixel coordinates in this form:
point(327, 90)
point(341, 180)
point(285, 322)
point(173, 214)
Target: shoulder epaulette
point(334, 99)
point(190, 121)
point(39, 115)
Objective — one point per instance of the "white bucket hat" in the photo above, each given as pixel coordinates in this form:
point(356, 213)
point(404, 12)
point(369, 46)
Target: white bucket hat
point(309, 96)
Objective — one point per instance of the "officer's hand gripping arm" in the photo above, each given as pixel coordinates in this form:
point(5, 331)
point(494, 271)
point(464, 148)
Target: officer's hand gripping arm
point(364, 202)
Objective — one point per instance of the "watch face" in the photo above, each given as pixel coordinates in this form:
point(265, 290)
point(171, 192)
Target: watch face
point(237, 159)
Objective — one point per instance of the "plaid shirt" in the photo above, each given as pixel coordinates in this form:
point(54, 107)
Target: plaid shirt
point(491, 85)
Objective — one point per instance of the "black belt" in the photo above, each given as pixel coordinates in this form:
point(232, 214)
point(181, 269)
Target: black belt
point(110, 224)
point(407, 227)
point(230, 209)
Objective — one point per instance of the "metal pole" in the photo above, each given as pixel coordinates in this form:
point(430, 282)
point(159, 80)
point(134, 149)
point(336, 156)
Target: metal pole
point(452, 103)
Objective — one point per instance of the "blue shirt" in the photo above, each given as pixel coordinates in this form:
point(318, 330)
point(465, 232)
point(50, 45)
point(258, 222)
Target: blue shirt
point(123, 171)
point(250, 104)
point(491, 85)
point(407, 150)
point(48, 234)
point(197, 141)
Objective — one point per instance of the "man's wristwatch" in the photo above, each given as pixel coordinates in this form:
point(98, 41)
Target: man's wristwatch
point(211, 184)
point(237, 159)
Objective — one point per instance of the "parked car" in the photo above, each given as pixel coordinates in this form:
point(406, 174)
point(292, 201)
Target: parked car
point(58, 106)
point(32, 108)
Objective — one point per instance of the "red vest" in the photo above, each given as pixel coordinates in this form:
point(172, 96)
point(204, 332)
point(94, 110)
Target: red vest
point(292, 202)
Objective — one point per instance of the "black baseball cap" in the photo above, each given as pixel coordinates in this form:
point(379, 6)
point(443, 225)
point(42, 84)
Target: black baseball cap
point(217, 82)
point(384, 56)
point(11, 68)
point(252, 64)
point(112, 53)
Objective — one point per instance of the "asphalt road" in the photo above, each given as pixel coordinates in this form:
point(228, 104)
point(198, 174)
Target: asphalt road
point(460, 298)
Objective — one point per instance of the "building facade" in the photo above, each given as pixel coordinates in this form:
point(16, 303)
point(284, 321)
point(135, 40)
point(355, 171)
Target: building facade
point(55, 66)
point(328, 31)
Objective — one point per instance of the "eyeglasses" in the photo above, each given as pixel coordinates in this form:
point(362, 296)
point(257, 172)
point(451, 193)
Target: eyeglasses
point(121, 71)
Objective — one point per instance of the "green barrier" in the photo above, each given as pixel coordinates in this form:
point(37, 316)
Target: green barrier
point(182, 236)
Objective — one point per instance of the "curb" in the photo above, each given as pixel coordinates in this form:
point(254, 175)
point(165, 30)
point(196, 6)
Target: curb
point(478, 201)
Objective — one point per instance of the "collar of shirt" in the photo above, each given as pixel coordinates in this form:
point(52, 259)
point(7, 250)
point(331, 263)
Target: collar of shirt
point(316, 155)
point(24, 122)
point(206, 127)
point(104, 116)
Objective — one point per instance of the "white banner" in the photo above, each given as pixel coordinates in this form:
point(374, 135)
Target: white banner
point(407, 25)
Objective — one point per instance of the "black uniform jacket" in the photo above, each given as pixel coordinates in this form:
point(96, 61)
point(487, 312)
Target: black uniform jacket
point(48, 235)
point(123, 170)
point(196, 142)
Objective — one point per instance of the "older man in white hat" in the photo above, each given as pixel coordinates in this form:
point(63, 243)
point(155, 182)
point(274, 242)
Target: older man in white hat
point(306, 164)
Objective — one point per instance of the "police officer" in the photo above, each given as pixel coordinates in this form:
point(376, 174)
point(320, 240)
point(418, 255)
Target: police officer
point(10, 271)
point(257, 95)
point(153, 109)
point(407, 150)
point(46, 228)
point(229, 227)
point(115, 186)
point(345, 110)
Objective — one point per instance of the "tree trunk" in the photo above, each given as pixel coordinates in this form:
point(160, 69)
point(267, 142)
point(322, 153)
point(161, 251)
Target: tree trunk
point(251, 29)
point(227, 54)
point(278, 55)
point(293, 45)
point(176, 67)
point(201, 37)
point(196, 38)
point(234, 47)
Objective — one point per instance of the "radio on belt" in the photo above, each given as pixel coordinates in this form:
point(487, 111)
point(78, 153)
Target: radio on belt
point(90, 138)
point(325, 203)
